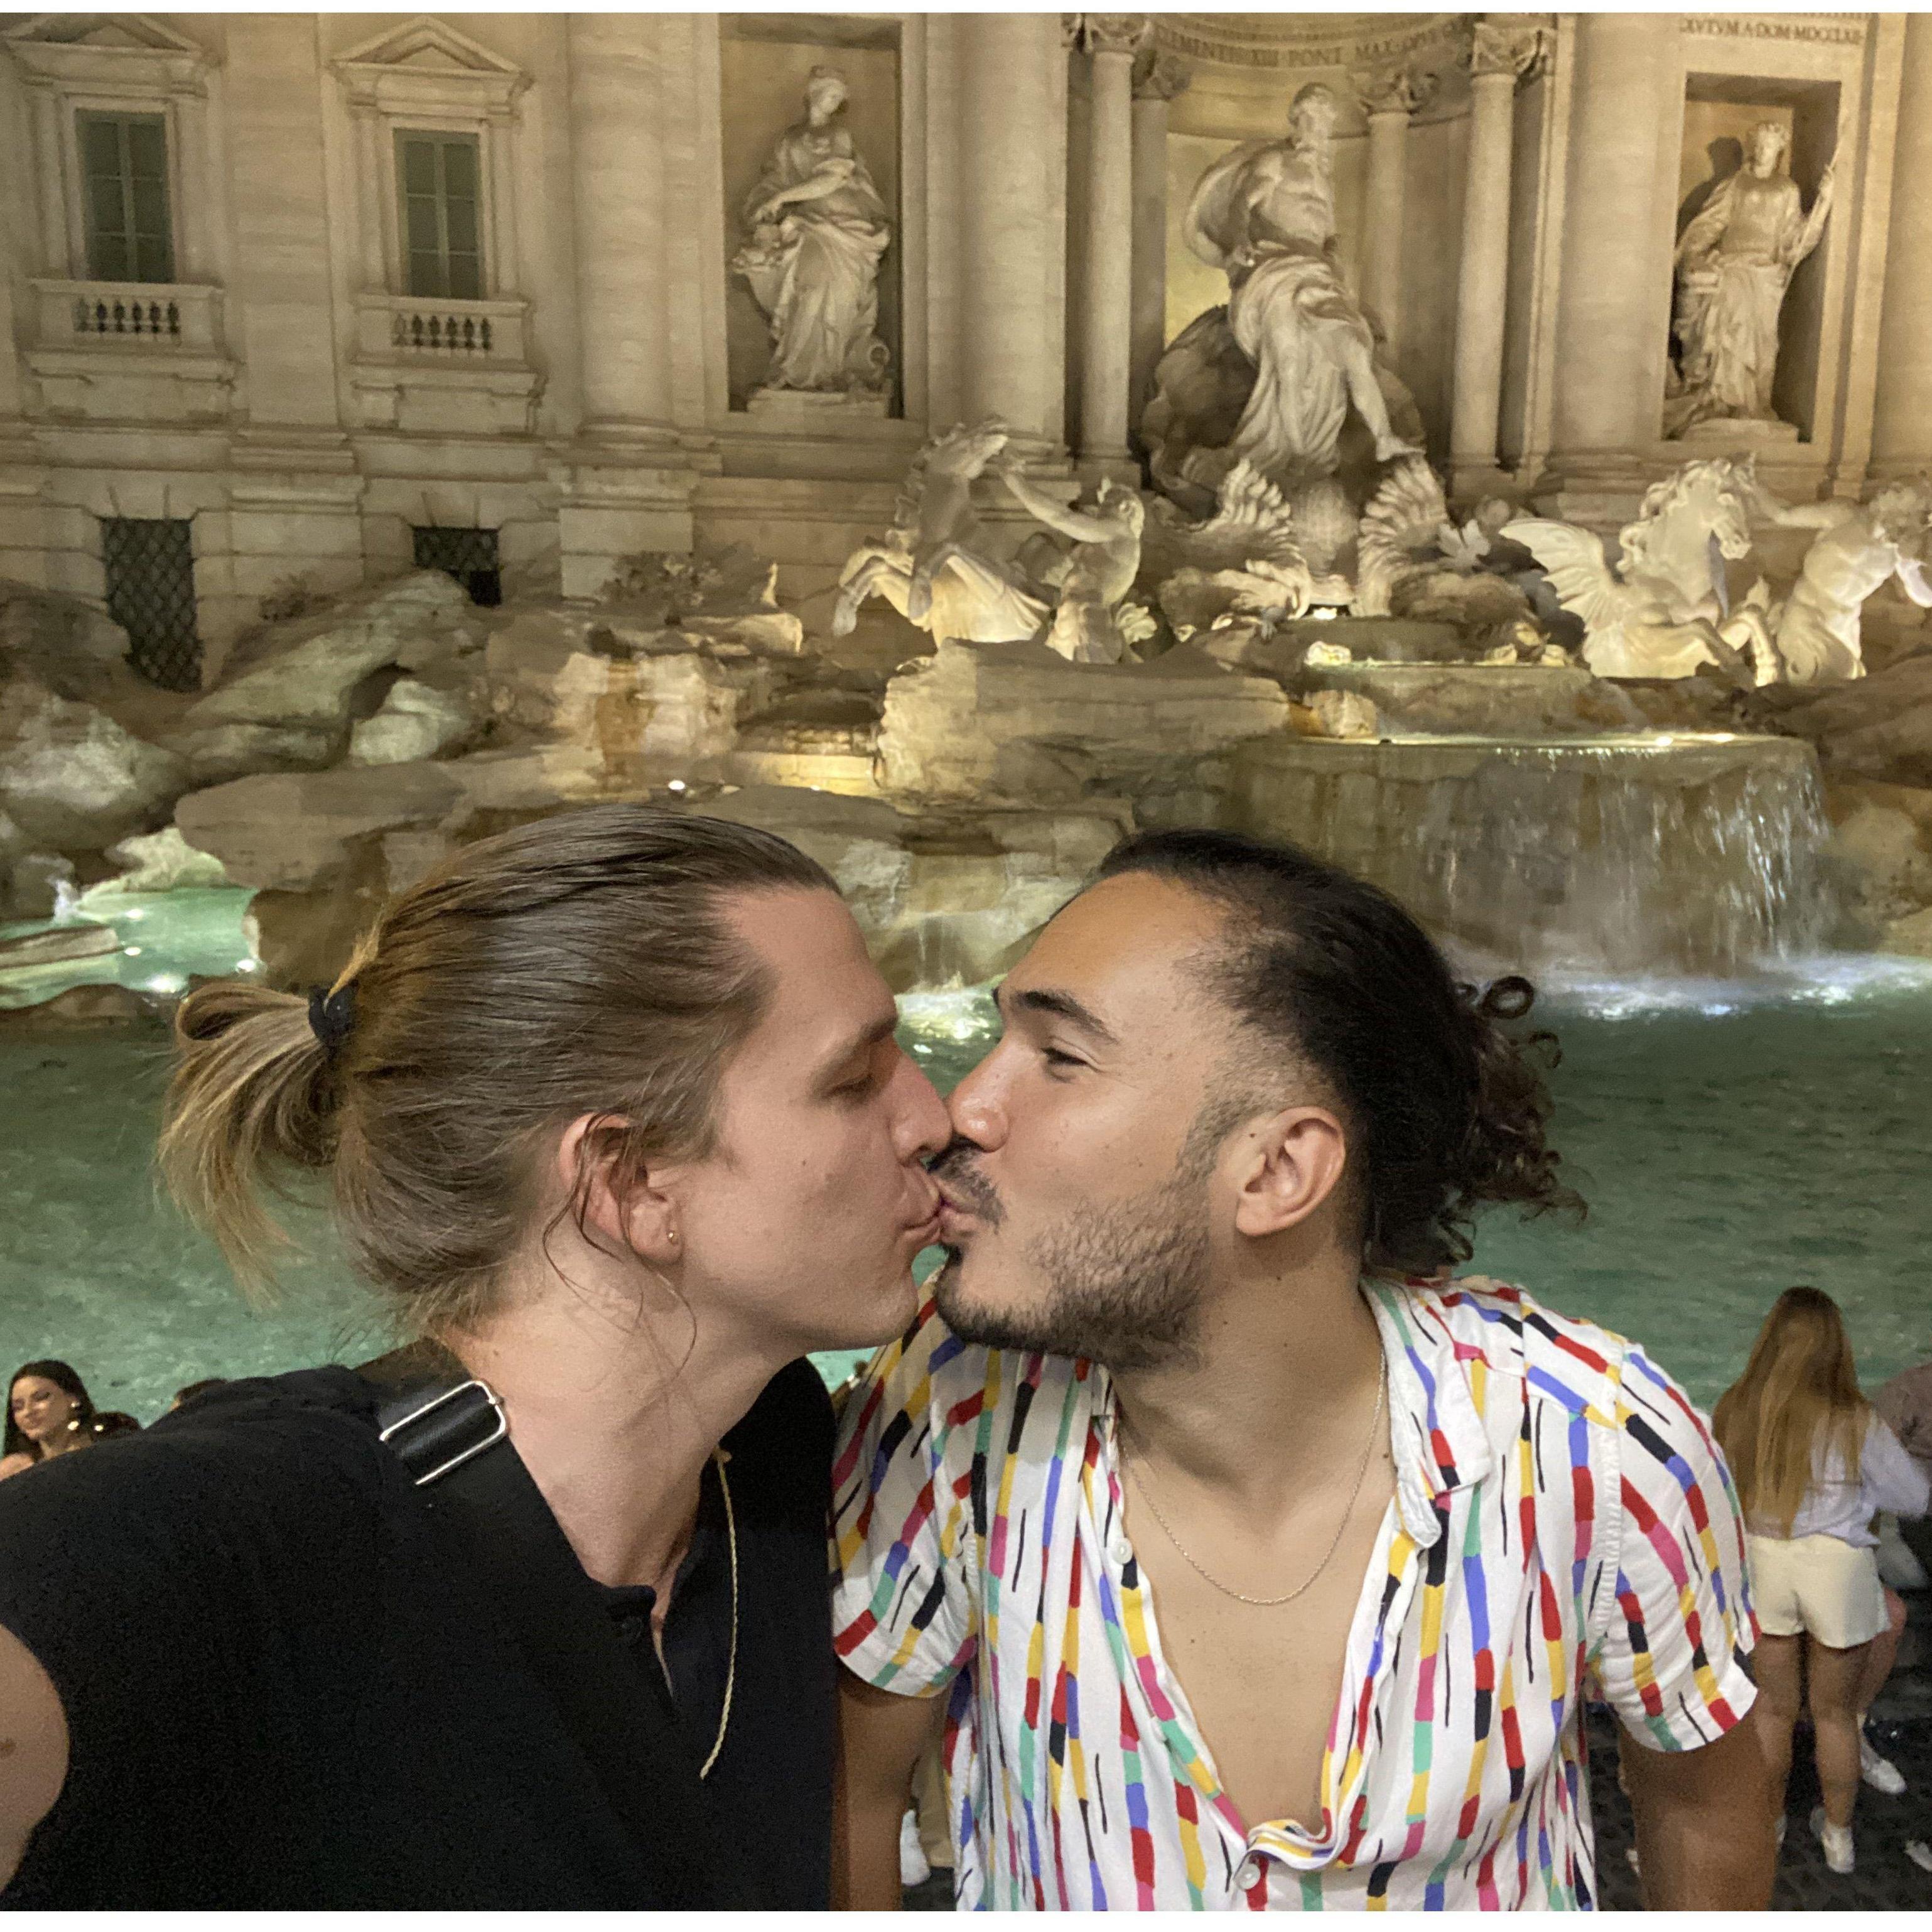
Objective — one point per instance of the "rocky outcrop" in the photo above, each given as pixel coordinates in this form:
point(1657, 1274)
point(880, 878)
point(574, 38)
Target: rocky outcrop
point(1882, 839)
point(1878, 727)
point(296, 831)
point(291, 699)
point(157, 861)
point(1013, 724)
point(417, 719)
point(71, 779)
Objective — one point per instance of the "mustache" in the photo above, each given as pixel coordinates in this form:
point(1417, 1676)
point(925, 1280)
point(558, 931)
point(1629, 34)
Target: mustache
point(953, 1167)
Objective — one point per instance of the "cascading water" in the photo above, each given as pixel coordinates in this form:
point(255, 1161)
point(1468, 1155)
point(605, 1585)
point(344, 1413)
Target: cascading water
point(1702, 854)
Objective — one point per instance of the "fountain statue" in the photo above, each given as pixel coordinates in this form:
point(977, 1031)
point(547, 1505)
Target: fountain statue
point(935, 566)
point(1662, 609)
point(1292, 350)
point(1815, 631)
point(817, 228)
point(1092, 622)
point(1735, 261)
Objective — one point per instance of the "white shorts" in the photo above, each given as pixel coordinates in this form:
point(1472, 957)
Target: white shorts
point(1818, 1586)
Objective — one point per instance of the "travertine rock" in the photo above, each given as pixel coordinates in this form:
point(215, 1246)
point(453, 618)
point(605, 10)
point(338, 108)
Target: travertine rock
point(1014, 723)
point(71, 778)
point(296, 831)
point(291, 699)
point(861, 842)
point(1880, 727)
point(157, 861)
point(415, 720)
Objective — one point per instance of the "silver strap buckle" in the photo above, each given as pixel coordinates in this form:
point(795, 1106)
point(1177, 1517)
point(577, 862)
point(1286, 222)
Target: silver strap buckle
point(496, 1435)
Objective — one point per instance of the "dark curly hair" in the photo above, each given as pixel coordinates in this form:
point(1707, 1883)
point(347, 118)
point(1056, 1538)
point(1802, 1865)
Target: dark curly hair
point(1446, 1110)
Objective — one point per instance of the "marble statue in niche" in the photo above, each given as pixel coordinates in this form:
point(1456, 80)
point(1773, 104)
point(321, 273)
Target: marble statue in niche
point(1292, 350)
point(816, 230)
point(1735, 260)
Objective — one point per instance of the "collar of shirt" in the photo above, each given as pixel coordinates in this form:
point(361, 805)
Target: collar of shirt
point(1436, 1435)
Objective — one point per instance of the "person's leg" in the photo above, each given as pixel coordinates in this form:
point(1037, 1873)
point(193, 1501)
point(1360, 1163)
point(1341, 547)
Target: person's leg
point(1882, 1653)
point(1777, 1663)
point(1835, 1676)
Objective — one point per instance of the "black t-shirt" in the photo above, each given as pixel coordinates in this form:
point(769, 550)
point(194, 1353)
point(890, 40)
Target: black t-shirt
point(279, 1693)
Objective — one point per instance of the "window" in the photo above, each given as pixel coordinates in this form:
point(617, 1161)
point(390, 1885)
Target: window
point(151, 595)
point(443, 246)
point(469, 555)
point(124, 166)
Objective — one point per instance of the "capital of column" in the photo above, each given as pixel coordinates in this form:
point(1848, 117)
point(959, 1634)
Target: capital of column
point(1496, 47)
point(1106, 33)
point(1394, 90)
point(1159, 76)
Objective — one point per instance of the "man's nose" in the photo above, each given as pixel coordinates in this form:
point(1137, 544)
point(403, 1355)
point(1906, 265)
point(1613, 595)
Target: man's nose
point(923, 1127)
point(978, 1113)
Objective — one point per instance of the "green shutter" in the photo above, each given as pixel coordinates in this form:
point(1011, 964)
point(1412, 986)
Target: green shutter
point(437, 176)
point(124, 166)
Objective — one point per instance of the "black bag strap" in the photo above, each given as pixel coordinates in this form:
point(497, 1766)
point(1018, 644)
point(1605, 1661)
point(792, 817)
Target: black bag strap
point(450, 1433)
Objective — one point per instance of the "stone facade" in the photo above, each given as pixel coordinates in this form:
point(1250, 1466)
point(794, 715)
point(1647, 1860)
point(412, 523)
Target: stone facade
point(303, 288)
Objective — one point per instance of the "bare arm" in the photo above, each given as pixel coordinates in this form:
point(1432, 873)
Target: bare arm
point(1057, 516)
point(1705, 1821)
point(881, 1737)
point(33, 1750)
point(1913, 575)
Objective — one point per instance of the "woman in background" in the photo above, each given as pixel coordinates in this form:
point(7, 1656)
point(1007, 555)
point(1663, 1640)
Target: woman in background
point(1814, 1464)
point(49, 1411)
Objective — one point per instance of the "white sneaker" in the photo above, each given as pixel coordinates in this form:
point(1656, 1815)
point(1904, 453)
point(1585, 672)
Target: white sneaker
point(1920, 1853)
point(1836, 1841)
point(1880, 1773)
point(913, 1869)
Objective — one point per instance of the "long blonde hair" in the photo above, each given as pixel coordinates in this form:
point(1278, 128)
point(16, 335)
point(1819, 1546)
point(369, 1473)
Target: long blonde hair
point(584, 964)
point(1798, 1396)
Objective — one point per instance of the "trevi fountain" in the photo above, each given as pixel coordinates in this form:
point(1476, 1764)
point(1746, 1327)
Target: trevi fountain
point(1490, 450)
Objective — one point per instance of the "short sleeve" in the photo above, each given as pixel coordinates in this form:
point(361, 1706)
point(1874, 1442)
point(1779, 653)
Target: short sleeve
point(901, 1611)
point(1891, 1479)
point(1675, 1630)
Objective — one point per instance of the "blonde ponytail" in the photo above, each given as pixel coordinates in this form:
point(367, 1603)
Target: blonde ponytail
point(249, 1101)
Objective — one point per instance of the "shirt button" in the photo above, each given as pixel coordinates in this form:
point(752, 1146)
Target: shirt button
point(1247, 1871)
point(1119, 1548)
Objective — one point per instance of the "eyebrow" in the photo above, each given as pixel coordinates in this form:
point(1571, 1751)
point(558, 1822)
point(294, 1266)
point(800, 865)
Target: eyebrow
point(1062, 1006)
point(881, 1028)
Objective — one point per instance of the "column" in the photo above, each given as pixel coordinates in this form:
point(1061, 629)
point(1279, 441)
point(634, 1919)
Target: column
point(1497, 57)
point(1013, 122)
point(56, 256)
point(1613, 310)
point(505, 269)
point(1158, 78)
point(1111, 39)
point(373, 255)
point(617, 110)
point(1389, 96)
point(195, 262)
point(1902, 424)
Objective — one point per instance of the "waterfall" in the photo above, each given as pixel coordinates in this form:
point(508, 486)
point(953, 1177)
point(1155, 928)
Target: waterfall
point(1696, 854)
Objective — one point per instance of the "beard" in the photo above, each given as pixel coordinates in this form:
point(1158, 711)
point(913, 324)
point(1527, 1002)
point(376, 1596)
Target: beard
point(1124, 1281)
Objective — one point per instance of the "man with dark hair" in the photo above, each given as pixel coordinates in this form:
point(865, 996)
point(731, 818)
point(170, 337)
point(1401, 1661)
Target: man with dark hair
point(1196, 1352)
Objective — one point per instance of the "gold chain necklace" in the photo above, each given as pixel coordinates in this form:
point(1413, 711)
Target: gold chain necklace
point(731, 1666)
point(1270, 1602)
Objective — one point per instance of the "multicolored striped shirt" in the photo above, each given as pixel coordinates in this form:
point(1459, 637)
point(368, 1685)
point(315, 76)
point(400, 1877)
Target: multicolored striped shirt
point(1563, 1525)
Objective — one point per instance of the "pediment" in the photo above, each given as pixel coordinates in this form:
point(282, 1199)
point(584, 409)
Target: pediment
point(113, 52)
point(428, 45)
point(130, 33)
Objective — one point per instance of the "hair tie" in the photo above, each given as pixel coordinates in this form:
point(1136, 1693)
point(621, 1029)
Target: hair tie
point(330, 1017)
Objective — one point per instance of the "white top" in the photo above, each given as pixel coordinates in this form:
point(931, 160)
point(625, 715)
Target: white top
point(1889, 1479)
point(1562, 1523)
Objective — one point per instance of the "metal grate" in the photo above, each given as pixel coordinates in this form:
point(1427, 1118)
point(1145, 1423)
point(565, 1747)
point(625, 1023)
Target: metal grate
point(468, 556)
point(151, 595)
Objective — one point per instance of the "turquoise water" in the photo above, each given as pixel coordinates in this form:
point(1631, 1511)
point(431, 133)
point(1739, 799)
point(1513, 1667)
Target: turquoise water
point(1730, 1141)
point(164, 938)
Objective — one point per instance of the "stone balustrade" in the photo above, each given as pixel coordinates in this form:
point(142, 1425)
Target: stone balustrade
point(390, 327)
point(144, 315)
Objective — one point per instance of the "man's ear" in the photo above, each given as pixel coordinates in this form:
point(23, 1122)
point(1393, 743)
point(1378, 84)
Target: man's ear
point(1292, 1163)
point(615, 1197)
